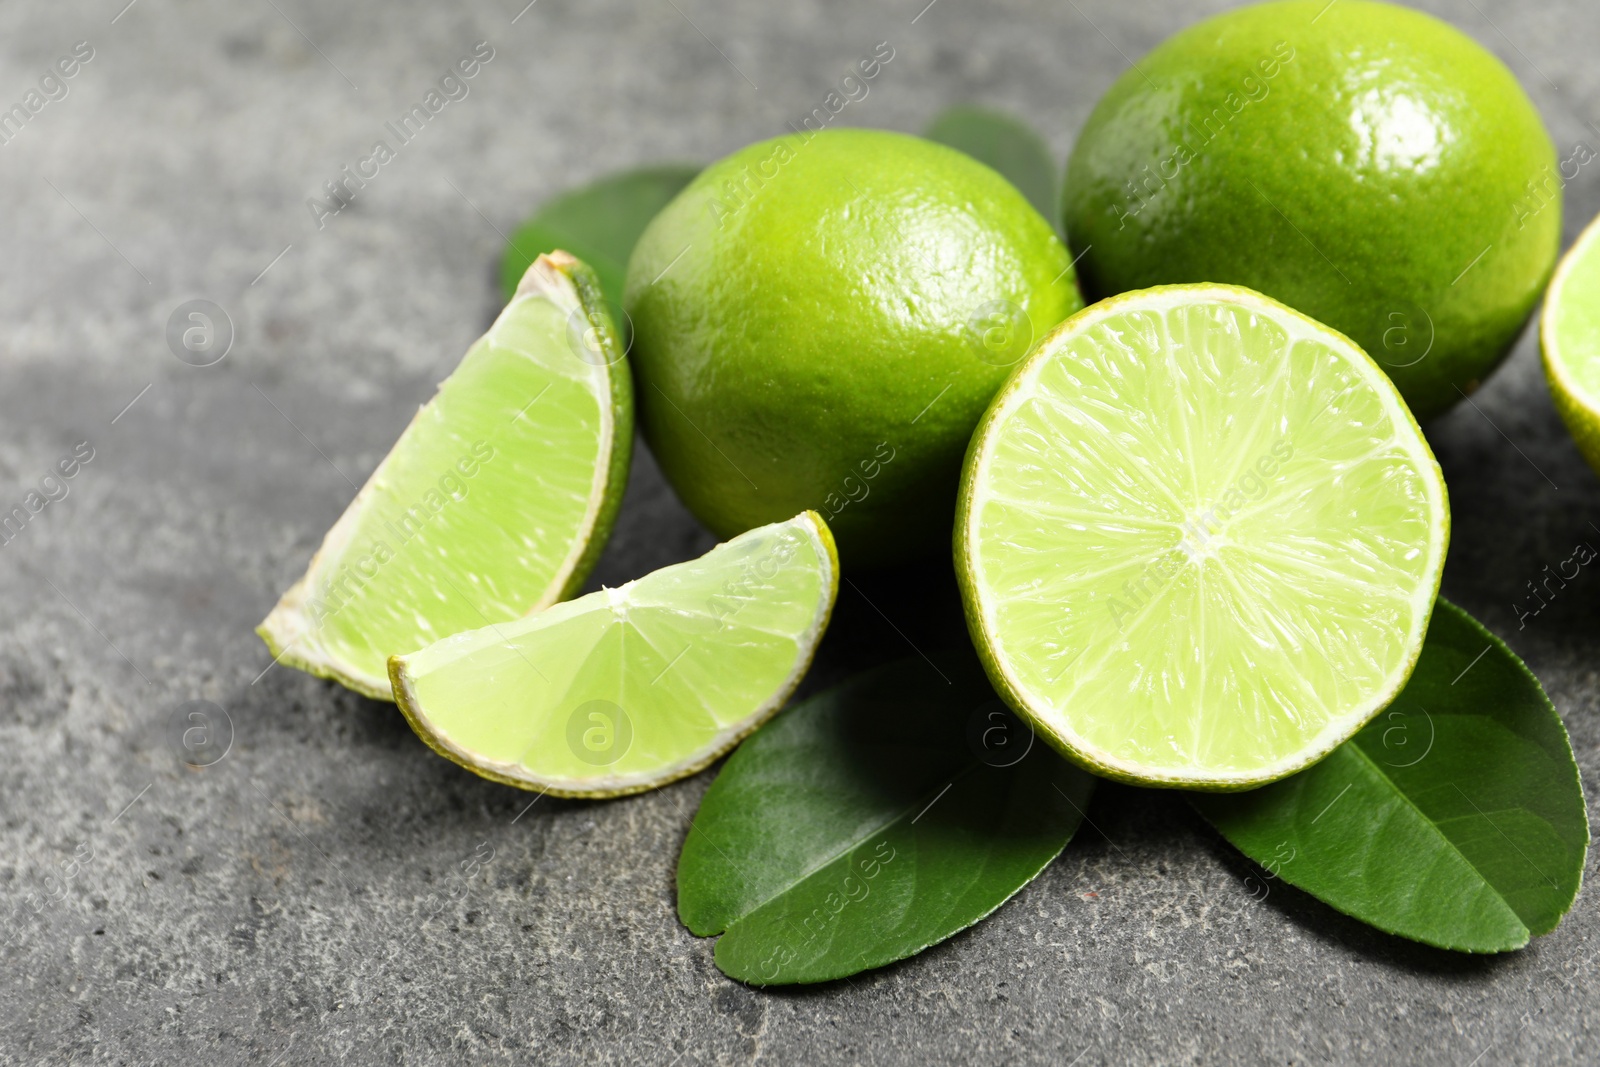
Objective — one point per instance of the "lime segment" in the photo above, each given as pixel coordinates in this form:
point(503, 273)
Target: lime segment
point(494, 502)
point(627, 689)
point(1199, 537)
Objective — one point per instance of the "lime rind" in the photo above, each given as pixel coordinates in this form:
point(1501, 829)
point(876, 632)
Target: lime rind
point(354, 607)
point(1110, 744)
point(610, 482)
point(1572, 366)
point(684, 662)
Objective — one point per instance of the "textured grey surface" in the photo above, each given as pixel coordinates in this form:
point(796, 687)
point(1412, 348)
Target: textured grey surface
point(275, 907)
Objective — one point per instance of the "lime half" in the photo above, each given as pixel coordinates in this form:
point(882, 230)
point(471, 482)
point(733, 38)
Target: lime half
point(1569, 335)
point(630, 688)
point(495, 502)
point(1199, 538)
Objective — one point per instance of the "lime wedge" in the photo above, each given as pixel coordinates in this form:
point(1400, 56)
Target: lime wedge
point(494, 503)
point(630, 688)
point(1199, 538)
point(1569, 335)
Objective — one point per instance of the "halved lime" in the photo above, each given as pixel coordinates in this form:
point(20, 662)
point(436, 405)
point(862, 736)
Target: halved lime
point(1569, 335)
point(1199, 538)
point(630, 688)
point(494, 503)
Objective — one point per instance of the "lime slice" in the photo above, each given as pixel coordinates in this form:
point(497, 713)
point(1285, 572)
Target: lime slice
point(494, 503)
point(1569, 334)
point(630, 688)
point(1199, 538)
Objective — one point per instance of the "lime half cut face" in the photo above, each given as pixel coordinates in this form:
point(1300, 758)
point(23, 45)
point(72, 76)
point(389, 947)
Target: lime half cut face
point(627, 689)
point(1199, 538)
point(1569, 336)
point(495, 501)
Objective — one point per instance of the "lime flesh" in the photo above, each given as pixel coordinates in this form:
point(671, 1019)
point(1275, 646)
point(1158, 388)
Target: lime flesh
point(1199, 538)
point(626, 689)
point(1569, 336)
point(495, 501)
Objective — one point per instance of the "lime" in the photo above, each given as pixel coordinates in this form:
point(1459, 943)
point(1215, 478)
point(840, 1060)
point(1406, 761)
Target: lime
point(1199, 538)
point(1366, 164)
point(820, 321)
point(1569, 334)
point(630, 688)
point(495, 501)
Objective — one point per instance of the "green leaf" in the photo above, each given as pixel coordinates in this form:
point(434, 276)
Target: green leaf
point(599, 223)
point(871, 821)
point(1455, 818)
point(1006, 144)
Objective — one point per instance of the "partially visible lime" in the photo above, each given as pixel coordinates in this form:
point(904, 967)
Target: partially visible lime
point(627, 689)
point(1569, 335)
point(819, 321)
point(1199, 538)
point(495, 502)
point(1366, 164)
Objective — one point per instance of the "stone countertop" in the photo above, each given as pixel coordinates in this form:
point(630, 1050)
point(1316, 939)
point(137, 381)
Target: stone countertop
point(309, 897)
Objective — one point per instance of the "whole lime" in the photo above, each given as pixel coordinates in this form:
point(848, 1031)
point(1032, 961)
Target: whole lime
point(1368, 165)
point(820, 322)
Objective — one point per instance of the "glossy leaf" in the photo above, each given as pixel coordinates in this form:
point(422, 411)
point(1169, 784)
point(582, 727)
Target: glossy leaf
point(871, 821)
point(1455, 818)
point(1008, 145)
point(599, 223)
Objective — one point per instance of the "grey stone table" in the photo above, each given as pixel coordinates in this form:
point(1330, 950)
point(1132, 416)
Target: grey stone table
point(328, 889)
